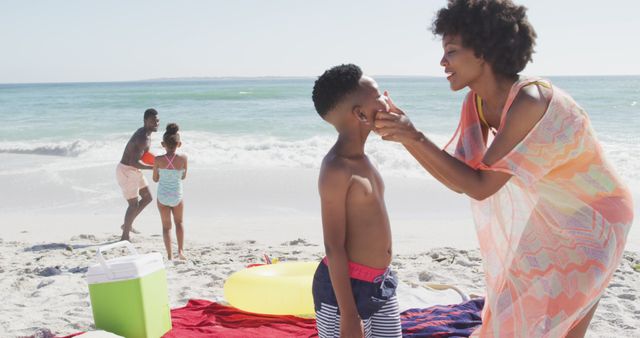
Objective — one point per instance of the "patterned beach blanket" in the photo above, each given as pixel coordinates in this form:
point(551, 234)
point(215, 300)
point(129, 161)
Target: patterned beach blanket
point(202, 318)
point(457, 320)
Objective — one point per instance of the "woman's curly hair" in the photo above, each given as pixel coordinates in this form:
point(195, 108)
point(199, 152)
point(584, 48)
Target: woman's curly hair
point(496, 30)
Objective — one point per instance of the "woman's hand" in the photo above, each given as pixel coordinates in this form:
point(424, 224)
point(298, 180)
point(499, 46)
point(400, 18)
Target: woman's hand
point(395, 125)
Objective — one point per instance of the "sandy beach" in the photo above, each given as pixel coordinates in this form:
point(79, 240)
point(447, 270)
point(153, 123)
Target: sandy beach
point(233, 217)
point(45, 290)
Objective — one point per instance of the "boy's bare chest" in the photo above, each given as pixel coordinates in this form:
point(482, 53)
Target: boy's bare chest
point(366, 185)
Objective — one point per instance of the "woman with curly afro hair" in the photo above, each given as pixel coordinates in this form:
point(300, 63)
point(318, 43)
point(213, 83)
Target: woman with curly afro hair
point(551, 215)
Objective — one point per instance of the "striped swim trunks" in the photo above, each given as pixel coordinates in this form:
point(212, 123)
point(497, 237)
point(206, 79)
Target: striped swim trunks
point(374, 292)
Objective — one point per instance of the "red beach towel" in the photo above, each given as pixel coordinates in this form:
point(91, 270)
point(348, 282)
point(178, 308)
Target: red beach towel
point(202, 318)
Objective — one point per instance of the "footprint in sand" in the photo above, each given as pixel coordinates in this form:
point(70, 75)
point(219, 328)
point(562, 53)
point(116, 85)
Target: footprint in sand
point(49, 271)
point(425, 276)
point(461, 260)
point(79, 269)
point(45, 283)
point(628, 296)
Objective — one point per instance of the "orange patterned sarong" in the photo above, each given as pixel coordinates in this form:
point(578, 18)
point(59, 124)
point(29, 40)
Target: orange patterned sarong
point(552, 237)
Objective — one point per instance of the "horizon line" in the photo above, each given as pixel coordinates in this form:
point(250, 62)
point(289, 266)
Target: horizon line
point(266, 77)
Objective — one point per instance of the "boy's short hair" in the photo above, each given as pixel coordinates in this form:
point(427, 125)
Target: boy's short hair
point(150, 112)
point(333, 85)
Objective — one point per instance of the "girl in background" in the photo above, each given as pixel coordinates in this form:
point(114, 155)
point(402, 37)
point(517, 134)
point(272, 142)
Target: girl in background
point(169, 170)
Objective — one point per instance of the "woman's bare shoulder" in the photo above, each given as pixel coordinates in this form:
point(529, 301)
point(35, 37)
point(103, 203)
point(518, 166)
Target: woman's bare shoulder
point(532, 101)
point(527, 109)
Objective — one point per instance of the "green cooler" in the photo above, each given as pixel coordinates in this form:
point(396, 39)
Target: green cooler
point(129, 294)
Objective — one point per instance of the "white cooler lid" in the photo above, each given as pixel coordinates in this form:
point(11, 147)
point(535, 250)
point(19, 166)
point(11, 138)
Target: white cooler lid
point(123, 268)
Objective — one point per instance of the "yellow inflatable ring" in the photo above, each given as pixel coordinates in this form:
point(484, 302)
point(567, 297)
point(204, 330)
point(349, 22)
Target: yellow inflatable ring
point(277, 289)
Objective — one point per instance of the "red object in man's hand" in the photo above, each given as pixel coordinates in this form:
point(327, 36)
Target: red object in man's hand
point(148, 158)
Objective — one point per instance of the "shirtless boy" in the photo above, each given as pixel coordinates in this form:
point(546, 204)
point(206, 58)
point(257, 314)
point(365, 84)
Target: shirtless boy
point(353, 287)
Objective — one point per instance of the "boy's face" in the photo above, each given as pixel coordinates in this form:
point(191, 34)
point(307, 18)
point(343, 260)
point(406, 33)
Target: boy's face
point(369, 101)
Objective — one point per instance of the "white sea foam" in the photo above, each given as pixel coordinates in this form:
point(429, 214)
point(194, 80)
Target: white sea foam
point(64, 148)
point(272, 152)
point(258, 152)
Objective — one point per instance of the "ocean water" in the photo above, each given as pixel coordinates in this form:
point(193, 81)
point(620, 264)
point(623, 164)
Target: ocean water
point(266, 122)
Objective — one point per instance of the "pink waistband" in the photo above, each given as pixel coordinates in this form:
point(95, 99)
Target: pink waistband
point(361, 272)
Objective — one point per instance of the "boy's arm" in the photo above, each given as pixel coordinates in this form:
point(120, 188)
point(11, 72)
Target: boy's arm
point(333, 186)
point(156, 175)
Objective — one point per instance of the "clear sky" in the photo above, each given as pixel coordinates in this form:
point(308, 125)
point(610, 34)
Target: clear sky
point(116, 40)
